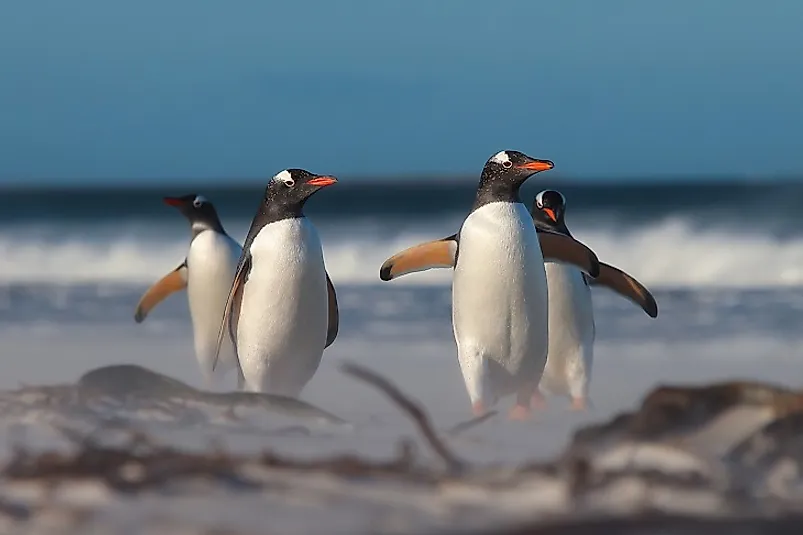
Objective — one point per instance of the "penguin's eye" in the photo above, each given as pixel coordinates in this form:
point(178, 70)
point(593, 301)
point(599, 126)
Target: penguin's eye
point(289, 182)
point(538, 203)
point(197, 203)
point(507, 164)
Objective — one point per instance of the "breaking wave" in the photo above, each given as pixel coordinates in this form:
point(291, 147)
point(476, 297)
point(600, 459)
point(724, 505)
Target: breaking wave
point(669, 253)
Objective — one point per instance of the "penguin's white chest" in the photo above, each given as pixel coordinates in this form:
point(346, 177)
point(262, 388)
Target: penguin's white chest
point(281, 332)
point(571, 332)
point(499, 296)
point(211, 264)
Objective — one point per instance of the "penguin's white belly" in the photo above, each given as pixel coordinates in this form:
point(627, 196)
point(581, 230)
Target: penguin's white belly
point(211, 264)
point(282, 326)
point(571, 332)
point(499, 301)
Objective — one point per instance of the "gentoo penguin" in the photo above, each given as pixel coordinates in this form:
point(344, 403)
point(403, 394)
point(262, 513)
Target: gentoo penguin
point(499, 291)
point(571, 314)
point(206, 273)
point(281, 312)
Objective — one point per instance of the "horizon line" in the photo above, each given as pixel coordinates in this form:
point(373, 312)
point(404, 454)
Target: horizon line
point(417, 179)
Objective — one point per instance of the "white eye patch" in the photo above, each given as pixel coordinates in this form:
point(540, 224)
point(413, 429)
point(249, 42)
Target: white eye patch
point(539, 199)
point(198, 201)
point(286, 178)
point(501, 157)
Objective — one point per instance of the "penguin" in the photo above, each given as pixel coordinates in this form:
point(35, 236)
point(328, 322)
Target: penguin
point(281, 311)
point(571, 315)
point(499, 289)
point(206, 273)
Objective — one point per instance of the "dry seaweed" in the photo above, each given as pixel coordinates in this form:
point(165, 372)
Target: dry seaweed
point(140, 463)
point(137, 464)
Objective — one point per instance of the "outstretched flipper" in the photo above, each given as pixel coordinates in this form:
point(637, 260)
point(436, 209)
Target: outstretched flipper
point(626, 286)
point(560, 248)
point(435, 254)
point(334, 314)
point(172, 282)
point(232, 301)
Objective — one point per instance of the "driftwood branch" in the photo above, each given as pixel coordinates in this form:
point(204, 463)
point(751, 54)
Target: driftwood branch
point(462, 427)
point(412, 409)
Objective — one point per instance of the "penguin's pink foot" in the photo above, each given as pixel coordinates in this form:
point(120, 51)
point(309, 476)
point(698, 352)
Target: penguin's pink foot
point(478, 408)
point(579, 404)
point(519, 413)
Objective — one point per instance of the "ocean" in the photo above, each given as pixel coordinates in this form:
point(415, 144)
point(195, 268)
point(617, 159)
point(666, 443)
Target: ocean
point(737, 235)
point(723, 258)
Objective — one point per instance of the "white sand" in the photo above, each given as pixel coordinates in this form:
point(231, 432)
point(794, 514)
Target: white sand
point(426, 370)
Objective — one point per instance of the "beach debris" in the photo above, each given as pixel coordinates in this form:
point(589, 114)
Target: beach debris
point(723, 456)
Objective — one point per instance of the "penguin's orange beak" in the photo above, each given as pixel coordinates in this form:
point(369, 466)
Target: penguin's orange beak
point(537, 165)
point(173, 201)
point(322, 181)
point(551, 213)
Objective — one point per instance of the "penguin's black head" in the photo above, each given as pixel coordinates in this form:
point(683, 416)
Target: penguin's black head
point(549, 210)
point(197, 209)
point(292, 187)
point(505, 172)
point(550, 205)
point(513, 167)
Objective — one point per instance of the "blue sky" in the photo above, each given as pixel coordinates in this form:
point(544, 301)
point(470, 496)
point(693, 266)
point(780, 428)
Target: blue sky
point(105, 91)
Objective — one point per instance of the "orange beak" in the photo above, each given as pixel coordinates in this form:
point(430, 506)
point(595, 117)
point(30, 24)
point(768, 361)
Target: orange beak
point(172, 201)
point(322, 181)
point(551, 213)
point(537, 165)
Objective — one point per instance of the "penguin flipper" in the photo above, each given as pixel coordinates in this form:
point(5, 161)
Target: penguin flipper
point(434, 254)
point(626, 286)
point(172, 282)
point(334, 314)
point(243, 267)
point(560, 248)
